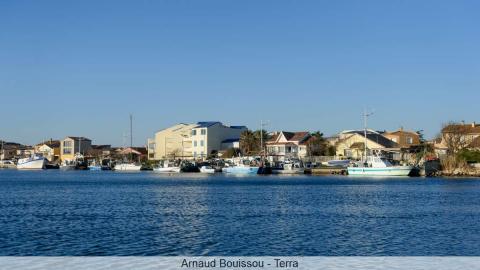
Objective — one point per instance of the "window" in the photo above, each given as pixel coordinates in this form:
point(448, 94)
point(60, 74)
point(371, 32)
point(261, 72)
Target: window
point(202, 154)
point(194, 143)
point(67, 147)
point(409, 140)
point(194, 132)
point(202, 143)
point(204, 132)
point(194, 154)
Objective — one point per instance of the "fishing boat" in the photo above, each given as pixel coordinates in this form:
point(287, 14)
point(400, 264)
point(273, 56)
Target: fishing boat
point(68, 165)
point(127, 167)
point(376, 165)
point(33, 162)
point(337, 163)
point(241, 169)
point(167, 168)
point(207, 169)
point(289, 168)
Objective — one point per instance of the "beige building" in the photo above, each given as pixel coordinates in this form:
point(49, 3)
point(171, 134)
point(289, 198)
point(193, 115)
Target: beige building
point(458, 136)
point(70, 146)
point(405, 139)
point(351, 144)
point(192, 141)
point(49, 149)
point(172, 142)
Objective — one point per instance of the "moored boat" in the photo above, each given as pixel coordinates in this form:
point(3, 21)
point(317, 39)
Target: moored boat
point(378, 166)
point(7, 164)
point(127, 167)
point(207, 169)
point(32, 163)
point(241, 169)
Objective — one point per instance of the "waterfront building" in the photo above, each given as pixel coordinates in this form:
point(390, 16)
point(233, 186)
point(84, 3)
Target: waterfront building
point(49, 149)
point(351, 143)
point(210, 137)
point(8, 150)
point(193, 141)
point(457, 136)
point(71, 146)
point(404, 138)
point(287, 145)
point(100, 151)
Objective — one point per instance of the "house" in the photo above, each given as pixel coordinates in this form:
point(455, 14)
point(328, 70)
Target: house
point(8, 150)
point(210, 137)
point(49, 149)
point(133, 153)
point(456, 136)
point(287, 145)
point(405, 139)
point(70, 146)
point(192, 141)
point(100, 151)
point(351, 143)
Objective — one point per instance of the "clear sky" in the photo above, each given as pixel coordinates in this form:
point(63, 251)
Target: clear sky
point(80, 67)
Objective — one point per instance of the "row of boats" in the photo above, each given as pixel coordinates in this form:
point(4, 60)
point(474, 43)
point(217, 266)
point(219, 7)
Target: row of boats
point(371, 166)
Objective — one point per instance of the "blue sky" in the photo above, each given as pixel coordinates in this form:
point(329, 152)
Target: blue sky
point(80, 67)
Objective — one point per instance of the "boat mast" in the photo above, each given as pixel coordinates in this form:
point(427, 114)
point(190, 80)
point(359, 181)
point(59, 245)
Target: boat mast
point(365, 117)
point(131, 137)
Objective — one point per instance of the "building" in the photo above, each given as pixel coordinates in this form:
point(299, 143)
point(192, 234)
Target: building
point(71, 146)
point(405, 139)
point(8, 150)
point(287, 145)
point(49, 149)
point(210, 137)
point(172, 142)
point(193, 141)
point(457, 136)
point(351, 143)
point(100, 151)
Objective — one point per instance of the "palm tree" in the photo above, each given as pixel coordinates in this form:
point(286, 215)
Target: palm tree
point(247, 142)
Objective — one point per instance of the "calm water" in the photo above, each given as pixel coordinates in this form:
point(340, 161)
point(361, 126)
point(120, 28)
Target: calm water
point(107, 213)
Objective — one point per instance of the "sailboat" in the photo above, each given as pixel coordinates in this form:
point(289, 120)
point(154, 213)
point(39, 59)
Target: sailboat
point(129, 166)
point(375, 165)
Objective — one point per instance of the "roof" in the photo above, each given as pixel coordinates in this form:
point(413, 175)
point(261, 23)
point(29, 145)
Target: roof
point(230, 140)
point(101, 147)
point(207, 124)
point(463, 128)
point(238, 127)
point(290, 136)
point(400, 131)
point(79, 138)
point(50, 143)
point(358, 145)
point(379, 139)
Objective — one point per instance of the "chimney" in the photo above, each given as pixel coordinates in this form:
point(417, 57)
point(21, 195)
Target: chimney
point(474, 124)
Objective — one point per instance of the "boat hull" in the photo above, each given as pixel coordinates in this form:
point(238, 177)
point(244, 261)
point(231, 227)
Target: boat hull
point(241, 170)
point(167, 170)
point(128, 167)
point(296, 171)
point(388, 171)
point(31, 164)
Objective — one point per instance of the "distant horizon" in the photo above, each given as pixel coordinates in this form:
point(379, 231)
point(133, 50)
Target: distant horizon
point(80, 68)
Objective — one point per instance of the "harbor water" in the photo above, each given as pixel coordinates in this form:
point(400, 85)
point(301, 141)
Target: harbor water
point(86, 213)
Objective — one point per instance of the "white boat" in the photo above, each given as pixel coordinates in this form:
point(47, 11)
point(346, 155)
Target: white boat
point(32, 163)
point(240, 169)
point(337, 163)
point(375, 165)
point(378, 166)
point(207, 169)
point(7, 164)
point(68, 165)
point(290, 168)
point(167, 168)
point(127, 167)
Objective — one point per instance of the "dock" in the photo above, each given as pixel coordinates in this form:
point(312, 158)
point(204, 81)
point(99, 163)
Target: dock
point(327, 171)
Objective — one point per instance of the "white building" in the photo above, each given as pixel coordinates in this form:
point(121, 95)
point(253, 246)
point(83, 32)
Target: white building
point(193, 141)
point(288, 145)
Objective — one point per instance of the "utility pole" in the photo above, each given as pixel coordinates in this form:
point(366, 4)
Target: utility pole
point(365, 115)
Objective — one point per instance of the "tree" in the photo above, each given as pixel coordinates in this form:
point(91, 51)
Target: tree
point(231, 152)
point(317, 145)
point(454, 136)
point(250, 141)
